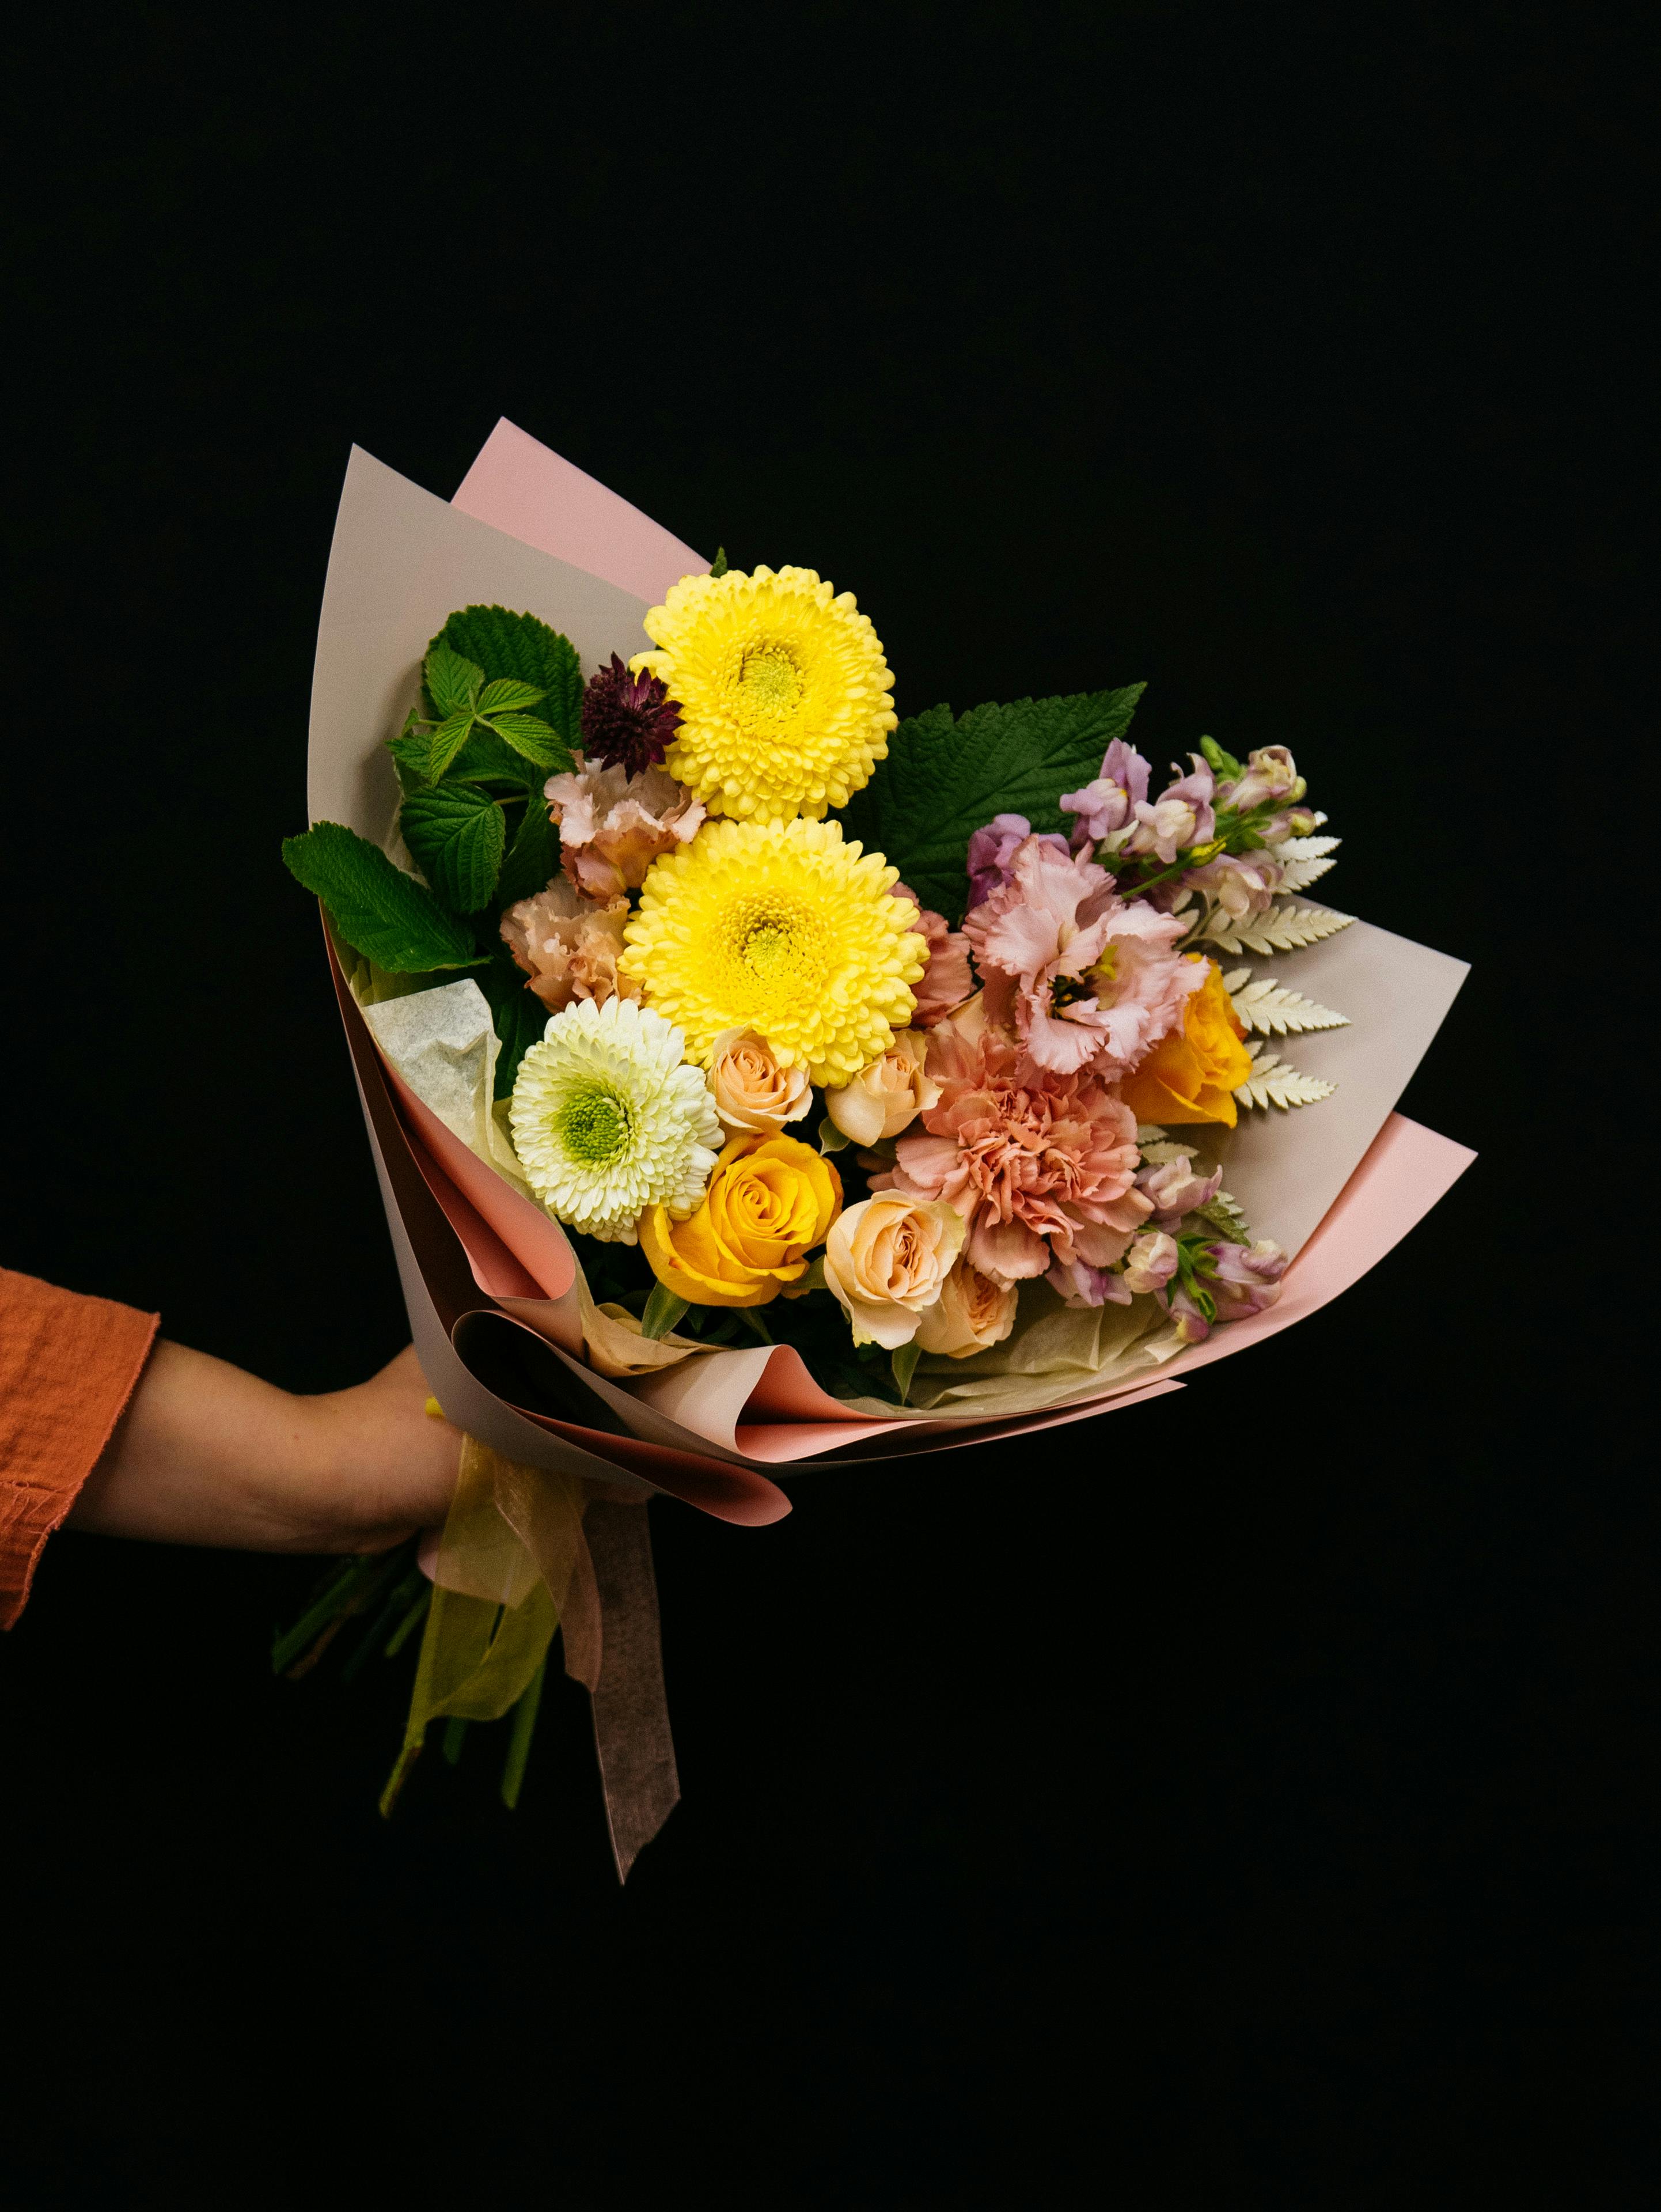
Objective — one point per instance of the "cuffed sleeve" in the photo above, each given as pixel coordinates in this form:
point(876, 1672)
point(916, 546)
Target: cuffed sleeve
point(68, 1366)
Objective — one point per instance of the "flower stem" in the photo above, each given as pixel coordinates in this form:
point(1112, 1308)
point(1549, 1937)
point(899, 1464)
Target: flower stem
point(518, 1744)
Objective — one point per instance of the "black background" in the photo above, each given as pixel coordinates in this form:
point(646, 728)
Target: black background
point(1251, 1802)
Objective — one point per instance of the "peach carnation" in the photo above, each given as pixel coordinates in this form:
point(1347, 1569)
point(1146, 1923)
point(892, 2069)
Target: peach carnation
point(1085, 979)
point(569, 945)
point(946, 981)
point(1041, 1165)
point(613, 825)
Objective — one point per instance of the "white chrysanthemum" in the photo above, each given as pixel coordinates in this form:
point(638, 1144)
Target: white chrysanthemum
point(608, 1119)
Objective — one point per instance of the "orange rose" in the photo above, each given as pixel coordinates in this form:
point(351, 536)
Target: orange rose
point(1192, 1074)
point(770, 1200)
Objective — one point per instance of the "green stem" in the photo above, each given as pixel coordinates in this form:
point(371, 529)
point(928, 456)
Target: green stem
point(400, 1599)
point(286, 1649)
point(518, 1744)
point(411, 1621)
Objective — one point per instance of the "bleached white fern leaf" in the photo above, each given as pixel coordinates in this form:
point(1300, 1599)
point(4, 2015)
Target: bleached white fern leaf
point(1273, 1011)
point(1282, 929)
point(1234, 978)
point(1163, 1150)
point(1224, 1213)
point(1149, 1132)
point(1299, 874)
point(1272, 1083)
point(1305, 848)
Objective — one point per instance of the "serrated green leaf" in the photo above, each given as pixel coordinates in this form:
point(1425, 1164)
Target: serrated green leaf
point(486, 759)
point(381, 912)
point(533, 858)
point(452, 680)
point(530, 735)
point(410, 757)
point(518, 1014)
point(717, 566)
point(456, 835)
point(520, 646)
point(506, 691)
point(945, 779)
point(445, 742)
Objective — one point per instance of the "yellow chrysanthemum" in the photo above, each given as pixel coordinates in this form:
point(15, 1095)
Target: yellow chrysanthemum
point(782, 688)
point(781, 928)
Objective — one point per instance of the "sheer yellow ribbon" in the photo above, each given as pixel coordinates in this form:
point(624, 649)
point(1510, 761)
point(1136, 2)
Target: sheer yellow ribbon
point(511, 1563)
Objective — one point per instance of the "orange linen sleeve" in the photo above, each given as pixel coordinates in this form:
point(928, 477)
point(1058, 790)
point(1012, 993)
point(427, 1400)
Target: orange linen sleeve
point(68, 1366)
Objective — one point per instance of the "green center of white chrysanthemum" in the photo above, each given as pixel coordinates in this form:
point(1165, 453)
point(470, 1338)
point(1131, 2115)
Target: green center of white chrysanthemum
point(594, 1125)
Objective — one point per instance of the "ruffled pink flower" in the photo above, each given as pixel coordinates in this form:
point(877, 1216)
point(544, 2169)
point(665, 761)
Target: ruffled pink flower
point(613, 825)
point(569, 945)
point(1083, 978)
point(1042, 1167)
point(992, 850)
point(946, 981)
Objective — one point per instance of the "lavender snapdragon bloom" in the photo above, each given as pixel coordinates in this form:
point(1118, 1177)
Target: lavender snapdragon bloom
point(1108, 802)
point(1150, 1262)
point(1296, 822)
point(1192, 1326)
point(993, 849)
point(1181, 816)
point(1242, 884)
point(1174, 1190)
point(1244, 1278)
point(1078, 1284)
point(1270, 774)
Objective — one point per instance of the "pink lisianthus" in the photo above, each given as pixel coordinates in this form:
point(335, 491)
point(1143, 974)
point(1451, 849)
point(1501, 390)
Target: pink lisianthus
point(1083, 978)
point(569, 945)
point(992, 849)
point(1042, 1167)
point(1109, 800)
point(1181, 817)
point(613, 825)
point(946, 981)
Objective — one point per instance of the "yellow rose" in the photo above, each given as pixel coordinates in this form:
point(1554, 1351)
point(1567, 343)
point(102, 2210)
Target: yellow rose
point(887, 1260)
point(1192, 1074)
point(888, 1095)
point(770, 1200)
point(973, 1314)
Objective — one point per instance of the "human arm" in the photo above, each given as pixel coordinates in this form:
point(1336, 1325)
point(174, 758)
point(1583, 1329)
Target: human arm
point(207, 1454)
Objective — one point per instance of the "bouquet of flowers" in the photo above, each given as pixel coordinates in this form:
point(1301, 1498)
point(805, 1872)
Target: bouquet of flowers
point(758, 1078)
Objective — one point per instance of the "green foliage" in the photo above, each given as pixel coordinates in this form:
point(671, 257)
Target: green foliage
point(519, 646)
point(536, 741)
point(717, 566)
point(452, 683)
point(533, 858)
point(1220, 763)
point(380, 912)
point(457, 834)
point(944, 779)
point(662, 1310)
point(518, 1014)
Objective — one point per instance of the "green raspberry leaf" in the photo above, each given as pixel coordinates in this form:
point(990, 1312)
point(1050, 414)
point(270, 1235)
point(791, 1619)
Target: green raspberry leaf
point(452, 681)
point(530, 735)
point(381, 912)
point(446, 741)
point(944, 779)
point(518, 1014)
point(506, 692)
point(412, 754)
point(507, 645)
point(458, 836)
point(486, 759)
point(533, 858)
